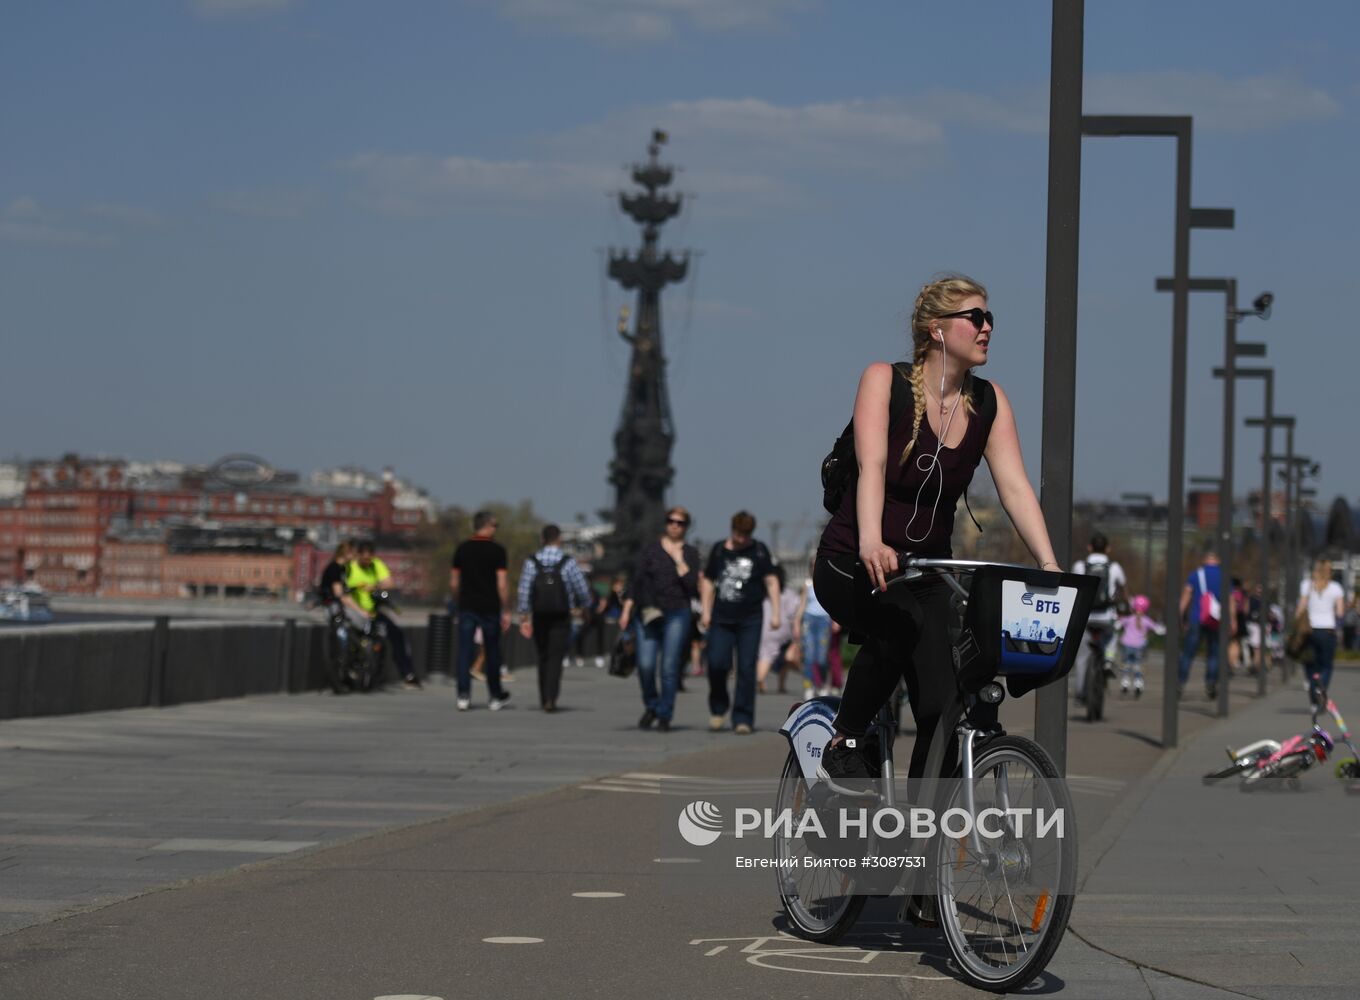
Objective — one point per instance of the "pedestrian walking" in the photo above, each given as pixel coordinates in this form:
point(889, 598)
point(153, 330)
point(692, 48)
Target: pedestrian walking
point(1133, 639)
point(812, 629)
point(776, 641)
point(656, 607)
point(1237, 644)
point(738, 577)
point(1201, 613)
point(480, 591)
point(550, 586)
point(1324, 602)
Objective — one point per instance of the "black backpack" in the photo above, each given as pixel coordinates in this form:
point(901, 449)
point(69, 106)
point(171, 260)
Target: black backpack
point(548, 593)
point(840, 471)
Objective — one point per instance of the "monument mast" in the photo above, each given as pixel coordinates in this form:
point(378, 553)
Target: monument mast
point(641, 470)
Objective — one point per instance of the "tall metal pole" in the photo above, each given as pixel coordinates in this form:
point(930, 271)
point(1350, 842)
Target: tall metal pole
point(1060, 327)
point(1225, 499)
point(1291, 583)
point(1175, 497)
point(1268, 428)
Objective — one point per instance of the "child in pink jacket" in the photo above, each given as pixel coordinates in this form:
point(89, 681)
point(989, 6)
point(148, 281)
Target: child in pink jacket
point(1133, 638)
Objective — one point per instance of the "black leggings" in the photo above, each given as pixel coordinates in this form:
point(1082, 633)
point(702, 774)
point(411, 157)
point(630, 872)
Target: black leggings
point(911, 643)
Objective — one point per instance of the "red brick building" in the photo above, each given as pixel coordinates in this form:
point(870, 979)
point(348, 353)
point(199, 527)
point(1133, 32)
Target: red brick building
point(62, 535)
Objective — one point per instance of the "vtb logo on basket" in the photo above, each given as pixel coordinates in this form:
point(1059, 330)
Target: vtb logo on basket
point(700, 823)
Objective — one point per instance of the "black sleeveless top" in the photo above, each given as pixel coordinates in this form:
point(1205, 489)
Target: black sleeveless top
point(919, 498)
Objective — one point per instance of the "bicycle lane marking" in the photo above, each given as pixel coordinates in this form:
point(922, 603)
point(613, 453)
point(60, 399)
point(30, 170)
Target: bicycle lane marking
point(766, 952)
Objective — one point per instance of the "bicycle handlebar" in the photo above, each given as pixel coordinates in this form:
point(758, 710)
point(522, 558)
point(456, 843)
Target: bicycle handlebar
point(913, 568)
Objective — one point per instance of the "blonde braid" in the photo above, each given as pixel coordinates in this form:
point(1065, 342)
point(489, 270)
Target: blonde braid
point(918, 393)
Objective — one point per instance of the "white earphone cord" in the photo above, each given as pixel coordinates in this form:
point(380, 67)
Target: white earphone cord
point(932, 462)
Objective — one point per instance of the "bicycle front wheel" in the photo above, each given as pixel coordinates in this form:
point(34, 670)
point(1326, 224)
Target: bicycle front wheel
point(820, 902)
point(1004, 908)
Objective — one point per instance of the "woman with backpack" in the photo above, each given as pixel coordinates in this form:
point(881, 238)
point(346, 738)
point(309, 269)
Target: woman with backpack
point(920, 431)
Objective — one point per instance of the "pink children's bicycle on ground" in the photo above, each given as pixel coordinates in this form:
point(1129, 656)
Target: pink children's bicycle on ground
point(1270, 762)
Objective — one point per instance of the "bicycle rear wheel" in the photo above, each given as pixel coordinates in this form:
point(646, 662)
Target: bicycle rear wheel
point(1004, 910)
point(819, 902)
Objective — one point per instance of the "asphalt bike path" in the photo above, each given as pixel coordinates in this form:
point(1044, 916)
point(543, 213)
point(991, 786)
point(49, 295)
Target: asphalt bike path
point(527, 893)
point(1254, 892)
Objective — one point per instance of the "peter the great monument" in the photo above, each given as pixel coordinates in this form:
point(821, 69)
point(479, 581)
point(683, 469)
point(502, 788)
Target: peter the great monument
point(641, 470)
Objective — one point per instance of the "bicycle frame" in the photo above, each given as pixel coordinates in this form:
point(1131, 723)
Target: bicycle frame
point(956, 720)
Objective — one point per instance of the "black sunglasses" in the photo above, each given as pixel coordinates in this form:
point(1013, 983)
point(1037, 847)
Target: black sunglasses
point(975, 316)
point(683, 522)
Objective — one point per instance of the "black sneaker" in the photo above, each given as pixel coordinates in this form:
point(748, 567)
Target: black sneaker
point(663, 725)
point(648, 717)
point(847, 769)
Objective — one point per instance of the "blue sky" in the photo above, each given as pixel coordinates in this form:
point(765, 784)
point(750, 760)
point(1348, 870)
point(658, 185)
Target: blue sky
point(348, 231)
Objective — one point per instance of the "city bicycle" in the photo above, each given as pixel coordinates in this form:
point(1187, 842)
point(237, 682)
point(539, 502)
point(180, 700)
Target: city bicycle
point(1099, 669)
point(1002, 903)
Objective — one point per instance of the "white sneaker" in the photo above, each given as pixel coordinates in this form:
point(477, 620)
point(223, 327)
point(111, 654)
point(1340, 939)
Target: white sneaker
point(499, 703)
point(601, 662)
point(809, 694)
point(464, 704)
point(826, 690)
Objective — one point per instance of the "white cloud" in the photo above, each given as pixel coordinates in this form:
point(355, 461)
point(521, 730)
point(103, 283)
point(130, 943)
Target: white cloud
point(750, 153)
point(1219, 104)
point(620, 21)
point(262, 203)
point(407, 184)
point(24, 221)
point(231, 8)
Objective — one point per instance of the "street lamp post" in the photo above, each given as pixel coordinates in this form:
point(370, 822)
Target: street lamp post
point(1146, 500)
point(1267, 424)
point(1179, 128)
point(1060, 325)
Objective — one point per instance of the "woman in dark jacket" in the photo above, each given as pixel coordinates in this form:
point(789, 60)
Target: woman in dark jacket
point(666, 580)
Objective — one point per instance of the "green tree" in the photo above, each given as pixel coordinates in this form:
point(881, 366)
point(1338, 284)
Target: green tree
point(519, 528)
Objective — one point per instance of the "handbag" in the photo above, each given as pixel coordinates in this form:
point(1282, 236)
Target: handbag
point(1297, 646)
point(623, 660)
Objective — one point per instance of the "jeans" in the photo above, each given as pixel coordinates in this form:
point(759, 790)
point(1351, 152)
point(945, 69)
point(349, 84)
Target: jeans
point(661, 644)
point(724, 637)
point(816, 646)
point(468, 624)
point(401, 650)
point(1324, 652)
point(1132, 671)
point(1191, 646)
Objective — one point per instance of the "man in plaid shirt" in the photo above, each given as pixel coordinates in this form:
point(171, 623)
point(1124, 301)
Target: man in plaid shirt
point(550, 586)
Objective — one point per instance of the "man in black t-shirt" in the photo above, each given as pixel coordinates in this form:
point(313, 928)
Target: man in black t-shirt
point(739, 576)
point(481, 599)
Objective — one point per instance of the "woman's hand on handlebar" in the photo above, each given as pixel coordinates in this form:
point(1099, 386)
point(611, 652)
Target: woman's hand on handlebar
point(880, 560)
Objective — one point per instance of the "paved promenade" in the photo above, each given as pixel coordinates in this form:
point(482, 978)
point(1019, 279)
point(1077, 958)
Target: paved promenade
point(398, 837)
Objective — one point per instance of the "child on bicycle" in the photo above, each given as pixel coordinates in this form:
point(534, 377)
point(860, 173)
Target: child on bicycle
point(1133, 639)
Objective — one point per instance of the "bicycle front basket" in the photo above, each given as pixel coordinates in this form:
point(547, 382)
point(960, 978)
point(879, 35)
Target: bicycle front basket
point(1025, 625)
